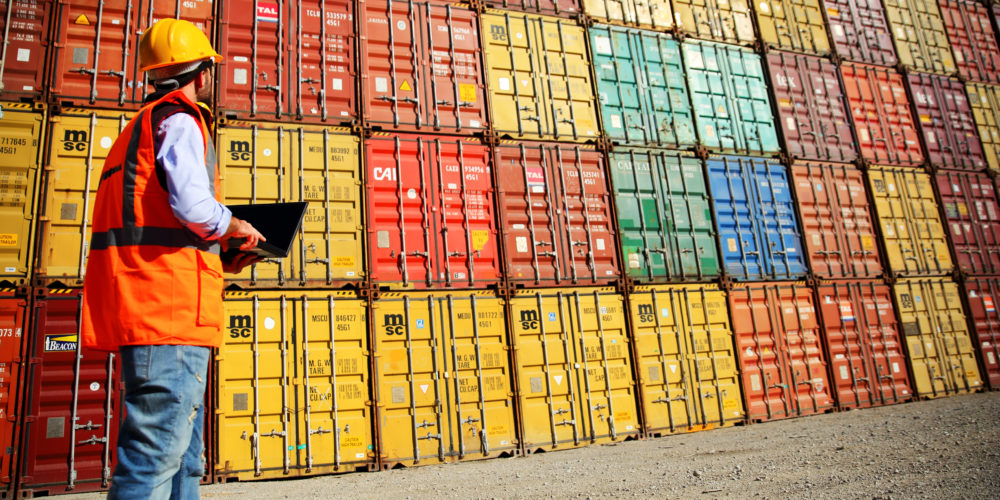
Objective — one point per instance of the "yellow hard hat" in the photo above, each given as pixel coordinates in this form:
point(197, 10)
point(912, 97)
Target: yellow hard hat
point(174, 41)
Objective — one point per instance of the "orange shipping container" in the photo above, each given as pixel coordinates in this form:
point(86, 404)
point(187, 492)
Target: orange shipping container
point(982, 296)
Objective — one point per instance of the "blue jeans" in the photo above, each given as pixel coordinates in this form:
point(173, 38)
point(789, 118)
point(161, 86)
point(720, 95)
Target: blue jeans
point(160, 440)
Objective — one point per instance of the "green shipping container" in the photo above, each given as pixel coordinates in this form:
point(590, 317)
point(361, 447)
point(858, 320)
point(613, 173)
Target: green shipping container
point(664, 216)
point(731, 105)
point(641, 87)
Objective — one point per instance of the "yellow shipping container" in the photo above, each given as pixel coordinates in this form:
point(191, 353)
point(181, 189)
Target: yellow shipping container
point(270, 162)
point(921, 40)
point(78, 142)
point(721, 20)
point(911, 224)
point(985, 103)
point(689, 379)
point(574, 367)
point(793, 25)
point(292, 397)
point(443, 377)
point(939, 349)
point(539, 79)
point(21, 137)
point(651, 14)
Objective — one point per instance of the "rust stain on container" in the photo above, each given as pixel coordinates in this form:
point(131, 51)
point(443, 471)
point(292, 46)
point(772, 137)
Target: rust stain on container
point(859, 31)
point(946, 122)
point(972, 215)
point(881, 112)
point(982, 294)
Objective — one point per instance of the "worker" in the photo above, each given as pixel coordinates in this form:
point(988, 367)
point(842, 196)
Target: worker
point(153, 284)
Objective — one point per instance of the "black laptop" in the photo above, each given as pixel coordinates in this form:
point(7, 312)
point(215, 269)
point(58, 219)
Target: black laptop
point(278, 222)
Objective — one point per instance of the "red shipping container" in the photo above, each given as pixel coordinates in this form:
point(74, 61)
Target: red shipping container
point(422, 68)
point(859, 31)
point(95, 45)
point(861, 337)
point(288, 60)
point(946, 122)
point(814, 123)
point(13, 332)
point(561, 8)
point(782, 365)
point(556, 215)
point(983, 296)
point(430, 212)
point(881, 113)
point(24, 40)
point(971, 212)
point(972, 39)
point(71, 406)
point(836, 220)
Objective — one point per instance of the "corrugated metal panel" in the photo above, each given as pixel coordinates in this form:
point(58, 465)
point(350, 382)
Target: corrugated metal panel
point(755, 216)
point(430, 212)
point(421, 68)
point(881, 112)
point(539, 77)
point(985, 103)
point(723, 20)
point(288, 60)
point(561, 8)
point(72, 405)
point(687, 365)
point(921, 40)
point(14, 332)
point(93, 61)
point(262, 162)
point(78, 142)
point(859, 31)
point(972, 214)
point(777, 337)
point(21, 139)
point(555, 215)
point(293, 379)
point(863, 346)
point(574, 368)
point(907, 210)
point(946, 122)
point(652, 14)
point(730, 98)
point(972, 39)
point(24, 42)
point(836, 221)
point(939, 350)
point(814, 122)
point(664, 215)
point(443, 377)
point(641, 86)
point(796, 25)
point(983, 294)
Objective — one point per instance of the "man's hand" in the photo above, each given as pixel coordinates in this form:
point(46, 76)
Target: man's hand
point(241, 260)
point(239, 228)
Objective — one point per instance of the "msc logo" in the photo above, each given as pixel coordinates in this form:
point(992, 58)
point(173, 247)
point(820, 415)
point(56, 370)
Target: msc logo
point(646, 314)
point(394, 324)
point(498, 32)
point(239, 150)
point(75, 140)
point(240, 326)
point(529, 319)
point(384, 173)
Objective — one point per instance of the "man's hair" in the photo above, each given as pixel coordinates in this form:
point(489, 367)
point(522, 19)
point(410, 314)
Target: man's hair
point(176, 76)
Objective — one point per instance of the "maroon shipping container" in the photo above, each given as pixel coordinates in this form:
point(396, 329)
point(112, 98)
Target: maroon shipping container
point(972, 215)
point(881, 111)
point(946, 122)
point(24, 40)
point(71, 405)
point(430, 212)
point(288, 60)
point(983, 295)
point(859, 31)
point(13, 332)
point(836, 220)
point(561, 8)
point(95, 44)
point(555, 214)
point(422, 68)
point(814, 121)
point(973, 42)
point(861, 337)
point(782, 365)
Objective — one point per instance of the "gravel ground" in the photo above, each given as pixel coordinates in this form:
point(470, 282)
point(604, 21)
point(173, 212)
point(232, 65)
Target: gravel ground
point(947, 448)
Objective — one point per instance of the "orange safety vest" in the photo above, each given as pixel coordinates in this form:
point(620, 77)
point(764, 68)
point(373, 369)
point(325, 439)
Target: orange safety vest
point(149, 280)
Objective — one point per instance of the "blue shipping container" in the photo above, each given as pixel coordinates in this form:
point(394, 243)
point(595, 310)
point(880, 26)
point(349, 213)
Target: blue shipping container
point(756, 220)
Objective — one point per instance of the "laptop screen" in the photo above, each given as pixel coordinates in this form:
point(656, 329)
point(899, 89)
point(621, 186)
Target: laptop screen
point(278, 222)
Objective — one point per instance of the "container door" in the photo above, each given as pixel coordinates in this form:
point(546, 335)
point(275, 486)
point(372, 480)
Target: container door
point(881, 112)
point(795, 25)
point(651, 14)
point(946, 122)
point(859, 31)
point(920, 36)
point(20, 144)
point(24, 45)
point(973, 217)
point(783, 243)
point(982, 295)
point(723, 20)
point(13, 336)
point(985, 103)
point(561, 8)
point(251, 84)
point(972, 39)
point(322, 76)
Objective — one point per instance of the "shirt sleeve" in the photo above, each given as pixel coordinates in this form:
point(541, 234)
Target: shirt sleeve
point(182, 156)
